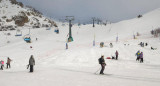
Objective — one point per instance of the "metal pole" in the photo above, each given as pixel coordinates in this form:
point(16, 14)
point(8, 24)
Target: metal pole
point(70, 32)
point(70, 18)
point(93, 22)
point(29, 31)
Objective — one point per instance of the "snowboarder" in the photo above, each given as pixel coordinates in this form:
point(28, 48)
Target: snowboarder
point(116, 55)
point(8, 63)
point(102, 63)
point(31, 63)
point(141, 57)
point(138, 55)
point(2, 64)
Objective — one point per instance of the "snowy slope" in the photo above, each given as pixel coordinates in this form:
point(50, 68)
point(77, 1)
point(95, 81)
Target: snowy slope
point(77, 66)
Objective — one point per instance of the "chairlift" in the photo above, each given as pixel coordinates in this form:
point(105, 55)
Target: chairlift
point(48, 29)
point(27, 38)
point(56, 30)
point(18, 33)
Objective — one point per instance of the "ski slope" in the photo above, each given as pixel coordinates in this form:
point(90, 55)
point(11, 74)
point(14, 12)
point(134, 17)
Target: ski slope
point(78, 66)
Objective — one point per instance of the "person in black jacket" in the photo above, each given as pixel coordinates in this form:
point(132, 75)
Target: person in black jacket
point(103, 64)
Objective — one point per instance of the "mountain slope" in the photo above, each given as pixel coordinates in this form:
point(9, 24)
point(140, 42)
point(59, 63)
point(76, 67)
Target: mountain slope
point(78, 66)
point(14, 14)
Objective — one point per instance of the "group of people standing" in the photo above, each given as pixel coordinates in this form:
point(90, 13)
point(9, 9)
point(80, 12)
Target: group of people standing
point(31, 63)
point(139, 56)
point(8, 63)
point(142, 44)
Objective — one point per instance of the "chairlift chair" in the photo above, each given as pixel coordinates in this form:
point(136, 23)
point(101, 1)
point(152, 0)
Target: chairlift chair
point(27, 38)
point(18, 33)
point(48, 29)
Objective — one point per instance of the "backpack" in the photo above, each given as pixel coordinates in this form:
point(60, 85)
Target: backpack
point(99, 60)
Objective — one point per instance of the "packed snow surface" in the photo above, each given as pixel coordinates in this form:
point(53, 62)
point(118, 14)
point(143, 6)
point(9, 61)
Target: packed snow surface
point(78, 65)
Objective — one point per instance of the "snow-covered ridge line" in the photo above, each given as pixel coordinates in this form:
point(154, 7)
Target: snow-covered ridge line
point(13, 14)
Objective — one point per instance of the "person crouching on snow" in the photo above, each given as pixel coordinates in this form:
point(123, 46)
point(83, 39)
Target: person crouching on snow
point(31, 63)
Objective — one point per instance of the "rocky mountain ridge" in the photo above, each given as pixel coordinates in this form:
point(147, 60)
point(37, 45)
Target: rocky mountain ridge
point(14, 14)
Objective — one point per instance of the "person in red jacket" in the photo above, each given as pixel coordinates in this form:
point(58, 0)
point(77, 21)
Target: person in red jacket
point(117, 55)
point(2, 64)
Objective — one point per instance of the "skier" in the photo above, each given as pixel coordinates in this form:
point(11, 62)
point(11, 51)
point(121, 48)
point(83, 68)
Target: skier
point(8, 63)
point(141, 57)
point(36, 39)
point(138, 55)
point(146, 44)
point(140, 44)
point(31, 63)
point(134, 36)
point(143, 44)
point(2, 64)
point(66, 46)
point(116, 55)
point(103, 64)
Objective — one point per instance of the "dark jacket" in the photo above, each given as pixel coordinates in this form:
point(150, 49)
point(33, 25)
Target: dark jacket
point(31, 61)
point(102, 61)
point(141, 55)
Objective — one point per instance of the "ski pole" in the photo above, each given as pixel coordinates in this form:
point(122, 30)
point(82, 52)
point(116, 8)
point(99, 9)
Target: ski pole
point(98, 70)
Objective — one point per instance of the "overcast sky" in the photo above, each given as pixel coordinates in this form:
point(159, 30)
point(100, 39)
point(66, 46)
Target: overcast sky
point(84, 10)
